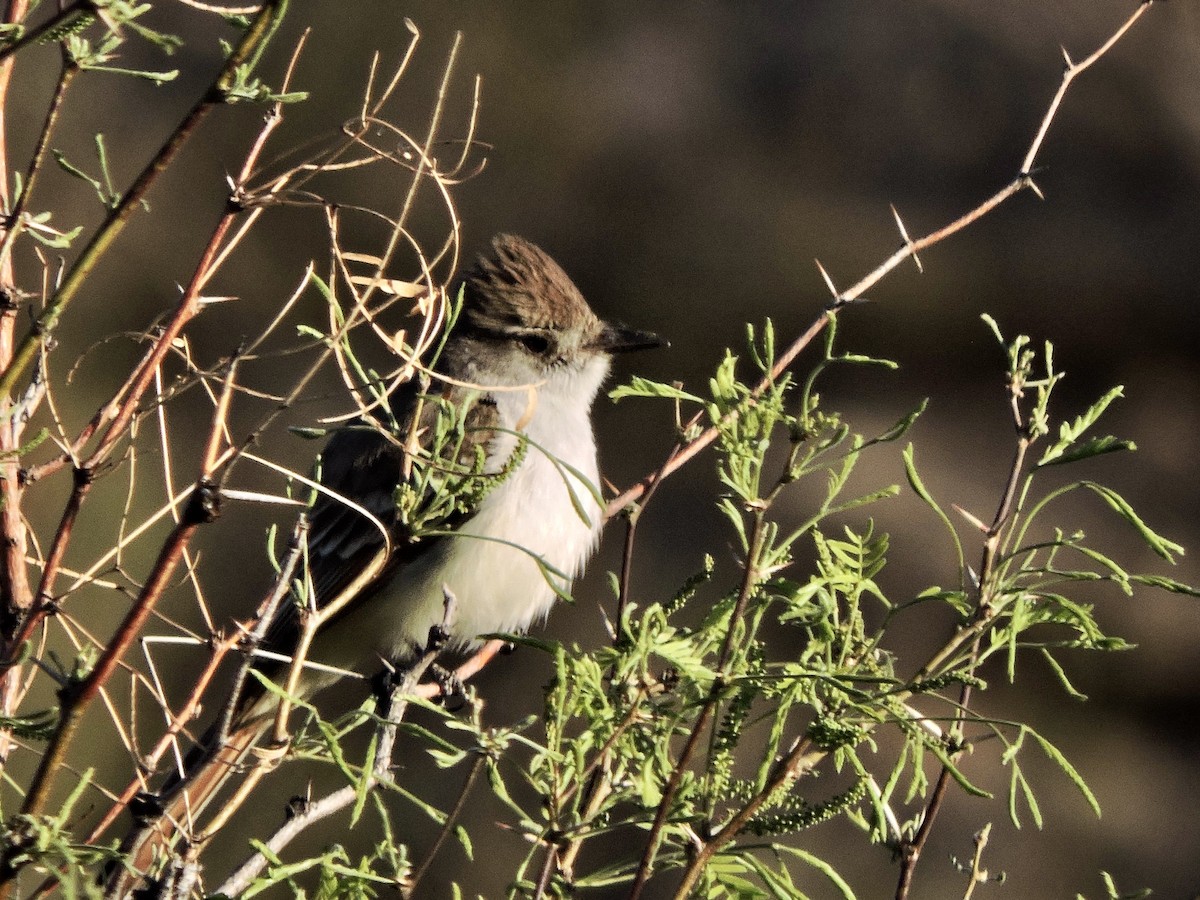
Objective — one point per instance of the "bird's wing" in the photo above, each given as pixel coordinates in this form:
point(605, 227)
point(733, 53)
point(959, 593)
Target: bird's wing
point(366, 467)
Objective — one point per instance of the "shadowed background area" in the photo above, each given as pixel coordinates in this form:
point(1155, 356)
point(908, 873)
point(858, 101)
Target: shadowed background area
point(685, 165)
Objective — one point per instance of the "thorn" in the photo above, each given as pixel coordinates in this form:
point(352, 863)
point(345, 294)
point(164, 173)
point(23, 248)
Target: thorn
point(974, 577)
point(908, 242)
point(1067, 57)
point(828, 281)
point(970, 518)
point(1032, 185)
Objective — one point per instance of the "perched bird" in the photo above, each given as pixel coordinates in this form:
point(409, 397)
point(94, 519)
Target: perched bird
point(521, 367)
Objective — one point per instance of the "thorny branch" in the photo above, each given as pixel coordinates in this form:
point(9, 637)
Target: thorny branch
point(685, 451)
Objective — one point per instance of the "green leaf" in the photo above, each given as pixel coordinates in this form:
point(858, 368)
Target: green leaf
point(1086, 450)
point(902, 425)
point(73, 170)
point(36, 726)
point(1166, 584)
point(918, 486)
point(157, 78)
point(464, 838)
point(995, 329)
point(1030, 798)
point(308, 433)
point(1062, 675)
point(1156, 542)
point(55, 240)
point(939, 750)
point(644, 387)
point(862, 360)
point(1069, 770)
point(844, 889)
point(1070, 432)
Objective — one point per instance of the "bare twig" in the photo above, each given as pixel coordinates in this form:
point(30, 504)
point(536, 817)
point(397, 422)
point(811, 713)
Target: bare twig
point(12, 227)
point(447, 828)
point(202, 507)
point(391, 715)
point(978, 874)
point(685, 451)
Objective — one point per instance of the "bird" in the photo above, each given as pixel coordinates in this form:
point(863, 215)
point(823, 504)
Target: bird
point(520, 367)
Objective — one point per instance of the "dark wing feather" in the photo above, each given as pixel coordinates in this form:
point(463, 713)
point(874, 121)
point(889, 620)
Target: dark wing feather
point(366, 467)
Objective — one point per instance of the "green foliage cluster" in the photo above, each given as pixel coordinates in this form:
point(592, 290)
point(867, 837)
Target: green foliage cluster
point(718, 707)
point(786, 676)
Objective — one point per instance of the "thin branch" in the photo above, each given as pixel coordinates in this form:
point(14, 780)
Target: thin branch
point(12, 227)
point(265, 617)
point(910, 851)
point(391, 715)
point(15, 595)
point(251, 43)
point(684, 452)
point(460, 804)
point(1072, 70)
point(749, 582)
point(978, 874)
point(801, 759)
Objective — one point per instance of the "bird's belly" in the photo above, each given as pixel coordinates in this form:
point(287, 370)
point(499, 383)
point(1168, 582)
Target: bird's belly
point(499, 565)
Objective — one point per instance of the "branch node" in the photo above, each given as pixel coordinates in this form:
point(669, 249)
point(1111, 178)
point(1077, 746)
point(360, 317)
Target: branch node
point(908, 242)
point(1026, 179)
point(204, 504)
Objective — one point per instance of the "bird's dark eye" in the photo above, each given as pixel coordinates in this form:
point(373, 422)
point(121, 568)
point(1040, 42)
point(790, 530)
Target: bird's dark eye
point(535, 343)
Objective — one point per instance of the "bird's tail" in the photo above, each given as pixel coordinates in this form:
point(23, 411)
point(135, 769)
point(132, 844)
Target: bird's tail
point(182, 805)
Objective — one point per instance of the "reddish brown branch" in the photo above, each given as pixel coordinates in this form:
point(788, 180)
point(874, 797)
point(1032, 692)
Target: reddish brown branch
point(15, 595)
point(108, 232)
point(178, 722)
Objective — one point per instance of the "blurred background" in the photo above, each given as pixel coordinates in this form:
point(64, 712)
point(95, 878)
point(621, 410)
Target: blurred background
point(686, 164)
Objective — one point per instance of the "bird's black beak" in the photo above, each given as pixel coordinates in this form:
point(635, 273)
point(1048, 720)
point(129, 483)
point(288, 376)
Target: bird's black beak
point(619, 339)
